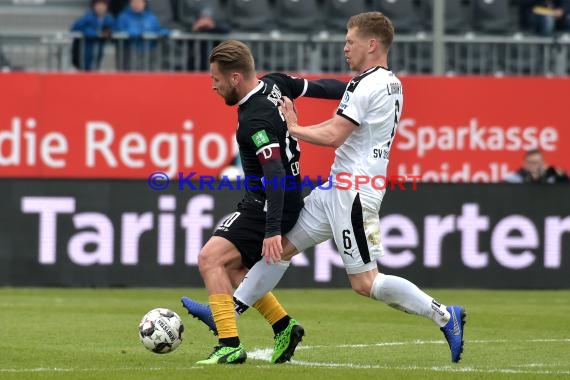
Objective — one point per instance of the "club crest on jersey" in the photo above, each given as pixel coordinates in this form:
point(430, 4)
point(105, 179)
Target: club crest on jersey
point(260, 138)
point(344, 101)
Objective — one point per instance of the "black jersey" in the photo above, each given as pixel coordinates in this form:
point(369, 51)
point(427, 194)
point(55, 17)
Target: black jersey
point(266, 148)
point(262, 136)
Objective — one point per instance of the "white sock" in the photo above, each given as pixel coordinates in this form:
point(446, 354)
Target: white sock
point(260, 279)
point(401, 294)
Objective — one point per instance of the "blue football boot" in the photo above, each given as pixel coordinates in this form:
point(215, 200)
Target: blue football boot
point(453, 331)
point(200, 311)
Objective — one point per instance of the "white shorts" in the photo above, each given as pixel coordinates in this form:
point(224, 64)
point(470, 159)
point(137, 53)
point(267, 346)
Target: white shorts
point(352, 222)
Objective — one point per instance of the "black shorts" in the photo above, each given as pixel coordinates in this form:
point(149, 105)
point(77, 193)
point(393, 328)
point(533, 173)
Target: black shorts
point(245, 228)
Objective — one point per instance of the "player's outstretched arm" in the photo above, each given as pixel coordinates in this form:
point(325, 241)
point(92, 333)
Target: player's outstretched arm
point(333, 132)
point(325, 89)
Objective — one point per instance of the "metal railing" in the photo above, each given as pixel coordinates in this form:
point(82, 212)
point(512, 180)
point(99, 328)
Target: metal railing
point(514, 55)
point(411, 54)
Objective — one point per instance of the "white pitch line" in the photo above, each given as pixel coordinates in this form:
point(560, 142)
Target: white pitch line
point(306, 364)
point(265, 354)
point(535, 365)
point(35, 370)
point(433, 368)
point(412, 342)
point(389, 344)
point(262, 353)
point(421, 342)
point(22, 370)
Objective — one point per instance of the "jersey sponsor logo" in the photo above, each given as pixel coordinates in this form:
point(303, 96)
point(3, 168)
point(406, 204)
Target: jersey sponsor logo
point(344, 101)
point(274, 95)
point(260, 138)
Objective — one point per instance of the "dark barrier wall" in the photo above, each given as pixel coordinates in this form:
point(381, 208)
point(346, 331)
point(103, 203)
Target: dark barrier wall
point(122, 233)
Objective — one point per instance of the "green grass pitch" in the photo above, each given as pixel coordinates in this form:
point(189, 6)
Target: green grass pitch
point(92, 334)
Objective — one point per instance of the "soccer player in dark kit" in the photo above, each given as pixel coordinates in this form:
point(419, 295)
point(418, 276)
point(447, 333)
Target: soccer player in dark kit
point(267, 211)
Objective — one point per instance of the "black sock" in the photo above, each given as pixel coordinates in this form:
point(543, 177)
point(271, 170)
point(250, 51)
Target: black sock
point(239, 306)
point(281, 324)
point(230, 342)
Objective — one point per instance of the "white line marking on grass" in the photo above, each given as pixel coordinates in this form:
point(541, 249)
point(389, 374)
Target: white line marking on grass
point(21, 370)
point(535, 365)
point(265, 354)
point(262, 354)
point(34, 370)
point(389, 344)
point(420, 342)
point(433, 369)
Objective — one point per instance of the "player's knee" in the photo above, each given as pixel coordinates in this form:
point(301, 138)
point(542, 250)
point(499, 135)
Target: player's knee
point(362, 282)
point(289, 250)
point(288, 254)
point(206, 260)
point(362, 289)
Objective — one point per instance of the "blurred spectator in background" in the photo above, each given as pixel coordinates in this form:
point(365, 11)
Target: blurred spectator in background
point(209, 19)
point(137, 53)
point(203, 17)
point(544, 17)
point(96, 26)
point(117, 6)
point(566, 16)
point(4, 63)
point(535, 170)
point(166, 11)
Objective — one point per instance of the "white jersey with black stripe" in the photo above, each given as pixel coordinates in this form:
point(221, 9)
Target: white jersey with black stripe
point(373, 101)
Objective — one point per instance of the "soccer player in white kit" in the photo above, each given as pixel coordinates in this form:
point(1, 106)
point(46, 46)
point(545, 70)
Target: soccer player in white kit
point(362, 131)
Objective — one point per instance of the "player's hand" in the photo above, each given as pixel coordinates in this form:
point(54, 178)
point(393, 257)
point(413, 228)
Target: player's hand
point(272, 249)
point(287, 109)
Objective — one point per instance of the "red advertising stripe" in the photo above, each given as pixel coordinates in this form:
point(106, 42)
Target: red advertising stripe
point(128, 126)
point(476, 129)
point(469, 129)
point(112, 126)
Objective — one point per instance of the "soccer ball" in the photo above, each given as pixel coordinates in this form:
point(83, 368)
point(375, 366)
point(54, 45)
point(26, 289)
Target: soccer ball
point(161, 330)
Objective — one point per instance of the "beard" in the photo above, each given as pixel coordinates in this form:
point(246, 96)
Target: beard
point(232, 98)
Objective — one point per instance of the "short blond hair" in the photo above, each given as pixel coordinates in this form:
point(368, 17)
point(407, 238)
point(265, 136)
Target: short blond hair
point(233, 55)
point(373, 24)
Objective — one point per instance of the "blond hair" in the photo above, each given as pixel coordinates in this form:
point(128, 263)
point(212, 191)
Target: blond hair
point(375, 25)
point(233, 55)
